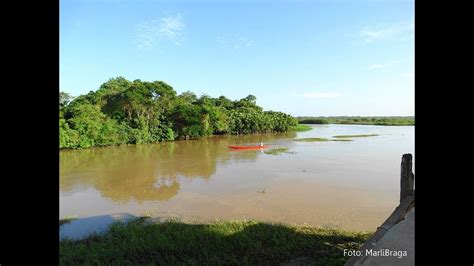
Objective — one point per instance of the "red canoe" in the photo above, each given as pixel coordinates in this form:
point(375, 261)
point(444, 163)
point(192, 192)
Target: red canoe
point(248, 147)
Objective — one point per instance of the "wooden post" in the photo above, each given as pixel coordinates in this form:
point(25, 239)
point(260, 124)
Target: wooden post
point(407, 179)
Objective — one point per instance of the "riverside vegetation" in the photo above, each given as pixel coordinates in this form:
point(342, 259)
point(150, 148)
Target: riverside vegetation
point(137, 112)
point(360, 120)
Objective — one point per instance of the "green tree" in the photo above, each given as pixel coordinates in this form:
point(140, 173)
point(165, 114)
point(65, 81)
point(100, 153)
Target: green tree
point(123, 111)
point(64, 98)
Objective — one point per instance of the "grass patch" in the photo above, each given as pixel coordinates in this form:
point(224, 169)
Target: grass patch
point(338, 138)
point(218, 243)
point(324, 139)
point(277, 151)
point(300, 127)
point(356, 136)
point(312, 139)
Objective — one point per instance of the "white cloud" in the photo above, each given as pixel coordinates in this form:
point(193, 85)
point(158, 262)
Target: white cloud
point(321, 94)
point(401, 31)
point(171, 27)
point(166, 28)
point(376, 66)
point(234, 41)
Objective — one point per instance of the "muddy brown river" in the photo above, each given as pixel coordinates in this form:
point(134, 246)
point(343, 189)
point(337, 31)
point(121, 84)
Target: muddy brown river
point(352, 185)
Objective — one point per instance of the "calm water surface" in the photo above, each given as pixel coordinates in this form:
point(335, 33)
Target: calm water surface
point(351, 185)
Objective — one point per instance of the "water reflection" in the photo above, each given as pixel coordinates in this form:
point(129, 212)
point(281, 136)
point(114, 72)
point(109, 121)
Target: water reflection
point(152, 172)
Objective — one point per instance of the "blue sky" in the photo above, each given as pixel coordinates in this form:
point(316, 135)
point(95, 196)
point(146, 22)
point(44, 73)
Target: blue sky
point(340, 57)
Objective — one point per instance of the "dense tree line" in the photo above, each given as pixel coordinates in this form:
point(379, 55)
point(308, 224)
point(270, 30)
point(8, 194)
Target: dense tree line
point(360, 120)
point(135, 112)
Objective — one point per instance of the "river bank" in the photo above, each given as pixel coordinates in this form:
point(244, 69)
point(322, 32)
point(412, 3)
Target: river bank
point(145, 241)
point(297, 128)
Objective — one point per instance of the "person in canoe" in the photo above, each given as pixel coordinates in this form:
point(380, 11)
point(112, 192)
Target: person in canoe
point(261, 144)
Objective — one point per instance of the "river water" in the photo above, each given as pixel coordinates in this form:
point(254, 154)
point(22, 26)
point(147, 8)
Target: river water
point(350, 185)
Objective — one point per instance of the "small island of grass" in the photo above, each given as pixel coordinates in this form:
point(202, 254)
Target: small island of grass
point(312, 139)
point(355, 136)
point(323, 139)
point(277, 151)
point(301, 127)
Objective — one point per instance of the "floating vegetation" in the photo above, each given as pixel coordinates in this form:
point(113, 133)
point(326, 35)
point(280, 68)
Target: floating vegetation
point(322, 139)
point(300, 127)
point(278, 151)
point(356, 136)
point(312, 139)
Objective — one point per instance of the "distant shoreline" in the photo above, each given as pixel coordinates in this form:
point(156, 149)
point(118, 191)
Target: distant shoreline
point(360, 120)
point(357, 124)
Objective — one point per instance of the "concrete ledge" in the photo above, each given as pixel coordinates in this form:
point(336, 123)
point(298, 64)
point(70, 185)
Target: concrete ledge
point(398, 215)
point(400, 239)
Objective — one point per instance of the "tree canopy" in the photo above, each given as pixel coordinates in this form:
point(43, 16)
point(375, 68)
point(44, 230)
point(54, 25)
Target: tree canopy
point(135, 112)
